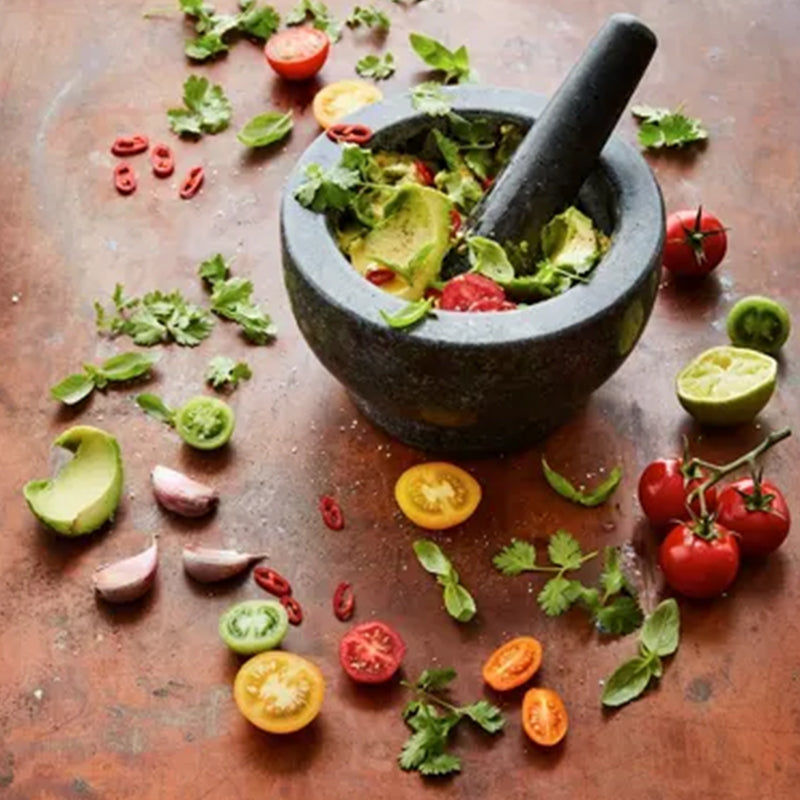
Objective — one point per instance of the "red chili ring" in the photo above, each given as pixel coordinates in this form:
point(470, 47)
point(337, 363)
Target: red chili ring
point(379, 276)
point(124, 178)
point(424, 173)
point(293, 609)
point(456, 221)
point(130, 145)
point(272, 582)
point(331, 513)
point(344, 602)
point(192, 183)
point(162, 161)
point(351, 133)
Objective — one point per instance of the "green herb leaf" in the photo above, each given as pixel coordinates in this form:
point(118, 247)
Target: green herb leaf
point(661, 630)
point(489, 258)
point(516, 558)
point(260, 22)
point(73, 389)
point(589, 499)
point(429, 98)
point(454, 64)
point(432, 680)
point(564, 550)
point(327, 189)
point(127, 366)
point(459, 602)
point(461, 187)
point(449, 150)
point(320, 15)
point(431, 557)
point(204, 47)
point(556, 596)
point(372, 66)
point(370, 17)
point(611, 578)
point(223, 371)
point(154, 406)
point(409, 315)
point(660, 127)
point(266, 129)
point(214, 270)
point(207, 109)
point(489, 717)
point(627, 682)
point(620, 617)
point(231, 298)
point(440, 764)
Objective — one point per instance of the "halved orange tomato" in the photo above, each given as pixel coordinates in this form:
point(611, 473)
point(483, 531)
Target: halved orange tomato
point(513, 663)
point(337, 100)
point(279, 692)
point(437, 495)
point(544, 717)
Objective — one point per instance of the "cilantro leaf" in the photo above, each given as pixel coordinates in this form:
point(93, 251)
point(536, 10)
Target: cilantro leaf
point(207, 109)
point(611, 578)
point(155, 407)
point(410, 314)
point(435, 679)
point(488, 258)
point(454, 64)
point(204, 47)
point(265, 129)
point(556, 596)
point(590, 499)
point(627, 682)
point(222, 371)
point(620, 617)
point(429, 98)
point(660, 127)
point(489, 717)
point(320, 15)
point(260, 22)
point(564, 550)
point(440, 764)
point(214, 269)
point(372, 66)
point(369, 17)
point(461, 187)
point(516, 558)
point(73, 389)
point(327, 189)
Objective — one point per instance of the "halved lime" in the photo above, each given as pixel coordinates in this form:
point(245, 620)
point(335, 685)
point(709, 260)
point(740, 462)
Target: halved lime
point(727, 385)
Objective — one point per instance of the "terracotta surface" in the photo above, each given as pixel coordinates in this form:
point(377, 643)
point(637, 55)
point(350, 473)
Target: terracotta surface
point(135, 703)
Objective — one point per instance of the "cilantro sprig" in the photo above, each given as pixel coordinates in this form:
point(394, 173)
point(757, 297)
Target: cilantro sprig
point(376, 67)
point(369, 17)
point(207, 109)
point(124, 367)
point(660, 127)
point(590, 499)
point(659, 638)
point(432, 718)
point(429, 98)
point(224, 372)
point(320, 16)
point(453, 63)
point(457, 600)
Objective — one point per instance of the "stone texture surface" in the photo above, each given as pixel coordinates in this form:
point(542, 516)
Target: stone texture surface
point(135, 703)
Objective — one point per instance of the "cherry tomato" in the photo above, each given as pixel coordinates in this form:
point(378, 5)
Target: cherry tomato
point(337, 100)
point(252, 626)
point(757, 513)
point(695, 243)
point(664, 486)
point(699, 566)
point(279, 692)
point(297, 54)
point(461, 292)
point(513, 663)
point(371, 652)
point(544, 717)
point(205, 422)
point(437, 495)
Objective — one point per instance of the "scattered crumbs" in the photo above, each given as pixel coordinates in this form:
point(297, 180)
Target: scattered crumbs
point(342, 429)
point(15, 298)
point(601, 469)
point(188, 736)
point(99, 637)
point(38, 694)
point(81, 786)
point(601, 682)
point(294, 449)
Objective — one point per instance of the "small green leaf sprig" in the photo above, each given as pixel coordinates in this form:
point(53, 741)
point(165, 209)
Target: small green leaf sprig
point(457, 600)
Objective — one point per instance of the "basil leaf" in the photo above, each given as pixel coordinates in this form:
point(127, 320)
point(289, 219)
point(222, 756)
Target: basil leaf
point(589, 499)
point(73, 389)
point(459, 603)
point(154, 406)
point(431, 557)
point(455, 65)
point(661, 630)
point(627, 682)
point(126, 366)
point(265, 129)
point(409, 315)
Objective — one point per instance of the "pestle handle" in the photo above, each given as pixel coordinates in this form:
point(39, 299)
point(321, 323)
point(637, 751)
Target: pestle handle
point(561, 149)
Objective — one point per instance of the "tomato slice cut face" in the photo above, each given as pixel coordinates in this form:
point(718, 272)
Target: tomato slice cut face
point(437, 495)
point(254, 626)
point(371, 652)
point(205, 422)
point(544, 717)
point(513, 663)
point(297, 54)
point(279, 692)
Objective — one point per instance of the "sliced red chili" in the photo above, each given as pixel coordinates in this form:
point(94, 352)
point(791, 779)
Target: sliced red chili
point(379, 276)
point(487, 184)
point(162, 161)
point(351, 133)
point(130, 145)
point(432, 293)
point(455, 222)
point(272, 582)
point(124, 178)
point(424, 173)
point(192, 183)
point(331, 513)
point(293, 609)
point(344, 601)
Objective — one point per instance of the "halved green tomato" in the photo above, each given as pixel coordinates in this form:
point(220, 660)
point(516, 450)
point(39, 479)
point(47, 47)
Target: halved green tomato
point(253, 626)
point(760, 323)
point(205, 422)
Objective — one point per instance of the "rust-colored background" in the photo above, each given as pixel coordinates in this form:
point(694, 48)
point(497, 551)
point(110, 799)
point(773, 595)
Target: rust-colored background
point(135, 702)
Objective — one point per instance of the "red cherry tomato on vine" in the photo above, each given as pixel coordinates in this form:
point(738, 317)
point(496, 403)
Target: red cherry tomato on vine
point(757, 513)
point(297, 54)
point(699, 566)
point(664, 487)
point(695, 243)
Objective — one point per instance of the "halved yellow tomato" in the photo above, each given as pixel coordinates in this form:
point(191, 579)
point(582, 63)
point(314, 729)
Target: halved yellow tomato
point(337, 100)
point(279, 692)
point(437, 495)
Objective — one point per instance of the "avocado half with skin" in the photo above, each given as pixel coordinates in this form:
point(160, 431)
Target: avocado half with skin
point(87, 489)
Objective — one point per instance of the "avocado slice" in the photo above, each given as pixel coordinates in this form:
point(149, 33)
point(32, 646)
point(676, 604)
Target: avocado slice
point(87, 489)
point(570, 241)
point(416, 221)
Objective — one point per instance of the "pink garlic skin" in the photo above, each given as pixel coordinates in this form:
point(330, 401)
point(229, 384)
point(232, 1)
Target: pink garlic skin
point(181, 494)
point(129, 579)
point(207, 565)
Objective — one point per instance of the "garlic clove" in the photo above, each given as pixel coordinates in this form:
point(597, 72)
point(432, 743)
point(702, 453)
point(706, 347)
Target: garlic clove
point(128, 579)
point(181, 494)
point(207, 565)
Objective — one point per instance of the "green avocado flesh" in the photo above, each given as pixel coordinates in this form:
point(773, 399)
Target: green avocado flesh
point(416, 219)
point(86, 491)
point(570, 241)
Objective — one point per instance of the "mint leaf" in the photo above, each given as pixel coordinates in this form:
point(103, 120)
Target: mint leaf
point(620, 617)
point(223, 371)
point(589, 499)
point(431, 557)
point(564, 550)
point(459, 602)
point(556, 596)
point(627, 682)
point(489, 258)
point(410, 315)
point(266, 129)
point(372, 66)
point(454, 64)
point(154, 406)
point(661, 630)
point(73, 389)
point(207, 109)
point(432, 680)
point(489, 717)
point(429, 98)
point(369, 17)
point(516, 558)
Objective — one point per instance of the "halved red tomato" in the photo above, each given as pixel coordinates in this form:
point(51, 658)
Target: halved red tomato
point(371, 652)
point(297, 54)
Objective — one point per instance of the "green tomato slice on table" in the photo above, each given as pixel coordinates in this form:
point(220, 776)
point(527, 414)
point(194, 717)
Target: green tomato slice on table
point(254, 626)
point(205, 422)
point(759, 323)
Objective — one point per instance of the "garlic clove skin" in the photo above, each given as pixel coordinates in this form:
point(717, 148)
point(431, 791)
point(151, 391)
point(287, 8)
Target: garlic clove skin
point(207, 565)
point(129, 579)
point(181, 494)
